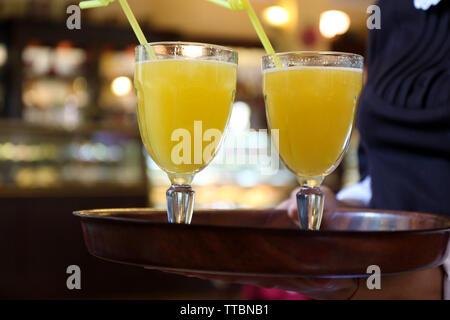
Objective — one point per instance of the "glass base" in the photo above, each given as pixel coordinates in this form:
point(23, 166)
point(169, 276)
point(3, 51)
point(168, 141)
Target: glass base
point(310, 207)
point(180, 203)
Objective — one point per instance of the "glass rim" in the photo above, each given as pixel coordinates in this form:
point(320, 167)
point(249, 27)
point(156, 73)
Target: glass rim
point(316, 53)
point(188, 43)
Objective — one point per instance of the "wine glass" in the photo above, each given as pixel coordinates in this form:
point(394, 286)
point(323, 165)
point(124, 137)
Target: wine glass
point(184, 101)
point(311, 100)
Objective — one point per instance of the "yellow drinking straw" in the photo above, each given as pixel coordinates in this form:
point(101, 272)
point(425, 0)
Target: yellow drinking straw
point(244, 5)
point(130, 16)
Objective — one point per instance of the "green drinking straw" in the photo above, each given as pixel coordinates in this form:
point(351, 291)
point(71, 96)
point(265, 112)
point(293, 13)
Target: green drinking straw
point(244, 5)
point(130, 16)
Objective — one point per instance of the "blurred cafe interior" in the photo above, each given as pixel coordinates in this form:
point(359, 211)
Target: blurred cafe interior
point(69, 138)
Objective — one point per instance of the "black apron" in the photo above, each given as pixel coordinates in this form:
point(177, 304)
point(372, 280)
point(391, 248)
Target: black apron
point(404, 109)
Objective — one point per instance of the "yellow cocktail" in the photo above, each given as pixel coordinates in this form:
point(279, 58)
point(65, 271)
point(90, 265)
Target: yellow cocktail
point(311, 102)
point(185, 93)
point(194, 96)
point(313, 108)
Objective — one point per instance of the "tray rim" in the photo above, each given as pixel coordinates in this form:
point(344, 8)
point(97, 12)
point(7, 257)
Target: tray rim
point(93, 215)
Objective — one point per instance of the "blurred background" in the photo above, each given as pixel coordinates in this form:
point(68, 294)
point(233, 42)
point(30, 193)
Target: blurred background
point(69, 138)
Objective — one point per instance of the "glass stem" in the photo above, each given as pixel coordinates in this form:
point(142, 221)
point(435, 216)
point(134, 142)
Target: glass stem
point(310, 207)
point(180, 203)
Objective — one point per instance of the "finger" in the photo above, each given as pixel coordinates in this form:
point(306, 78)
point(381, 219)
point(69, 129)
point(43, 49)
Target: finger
point(292, 211)
point(283, 205)
point(294, 193)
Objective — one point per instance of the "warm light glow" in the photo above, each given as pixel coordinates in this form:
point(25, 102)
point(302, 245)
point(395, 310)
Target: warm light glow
point(3, 55)
point(121, 86)
point(334, 22)
point(276, 15)
point(193, 51)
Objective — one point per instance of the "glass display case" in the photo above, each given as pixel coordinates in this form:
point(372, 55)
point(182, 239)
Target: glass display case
point(59, 89)
point(54, 87)
point(68, 111)
point(46, 160)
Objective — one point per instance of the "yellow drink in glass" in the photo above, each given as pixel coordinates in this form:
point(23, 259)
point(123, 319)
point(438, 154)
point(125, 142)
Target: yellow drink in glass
point(311, 102)
point(185, 92)
point(182, 94)
point(313, 108)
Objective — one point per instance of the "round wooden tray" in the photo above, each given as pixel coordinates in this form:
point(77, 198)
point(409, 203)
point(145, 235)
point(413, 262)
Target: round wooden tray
point(267, 242)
